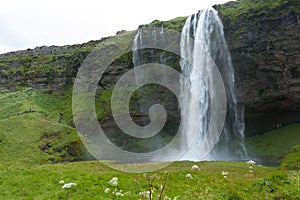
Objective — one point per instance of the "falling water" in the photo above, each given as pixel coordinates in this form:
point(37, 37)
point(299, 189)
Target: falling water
point(142, 56)
point(203, 35)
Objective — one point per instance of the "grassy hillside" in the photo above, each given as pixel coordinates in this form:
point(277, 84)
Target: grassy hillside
point(32, 130)
point(33, 135)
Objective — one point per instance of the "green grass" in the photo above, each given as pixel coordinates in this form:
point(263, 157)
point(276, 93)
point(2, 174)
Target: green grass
point(29, 121)
point(292, 159)
point(274, 144)
point(41, 182)
point(174, 24)
point(30, 131)
point(277, 141)
point(249, 8)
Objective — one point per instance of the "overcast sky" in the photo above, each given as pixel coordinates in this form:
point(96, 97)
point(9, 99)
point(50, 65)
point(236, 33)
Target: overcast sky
point(30, 23)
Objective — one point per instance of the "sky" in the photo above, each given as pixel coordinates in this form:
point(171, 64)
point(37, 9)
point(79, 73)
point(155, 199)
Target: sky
point(32, 23)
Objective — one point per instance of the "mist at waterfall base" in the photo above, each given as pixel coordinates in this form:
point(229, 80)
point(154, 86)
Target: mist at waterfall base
point(202, 35)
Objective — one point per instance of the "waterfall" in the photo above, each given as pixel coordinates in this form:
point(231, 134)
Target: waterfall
point(203, 35)
point(142, 56)
point(203, 44)
point(138, 53)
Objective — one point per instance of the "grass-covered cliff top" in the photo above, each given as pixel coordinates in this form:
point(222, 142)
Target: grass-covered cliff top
point(234, 9)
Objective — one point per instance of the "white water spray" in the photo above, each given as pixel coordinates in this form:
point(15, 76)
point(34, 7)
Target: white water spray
point(203, 35)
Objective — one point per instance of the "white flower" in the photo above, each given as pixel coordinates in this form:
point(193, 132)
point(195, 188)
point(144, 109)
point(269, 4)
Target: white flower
point(61, 182)
point(224, 173)
point(251, 171)
point(250, 167)
point(119, 194)
point(169, 198)
point(145, 194)
point(113, 181)
point(68, 185)
point(148, 194)
point(195, 167)
point(251, 162)
point(189, 176)
point(107, 190)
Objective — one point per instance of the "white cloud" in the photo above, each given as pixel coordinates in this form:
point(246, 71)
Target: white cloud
point(31, 23)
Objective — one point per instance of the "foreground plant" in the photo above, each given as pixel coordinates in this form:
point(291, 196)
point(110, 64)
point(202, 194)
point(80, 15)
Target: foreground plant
point(224, 174)
point(67, 187)
point(195, 167)
point(251, 164)
point(151, 188)
point(189, 176)
point(114, 183)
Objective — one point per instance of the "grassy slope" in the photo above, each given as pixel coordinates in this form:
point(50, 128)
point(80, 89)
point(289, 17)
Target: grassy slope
point(22, 176)
point(41, 182)
point(292, 159)
point(28, 121)
point(275, 144)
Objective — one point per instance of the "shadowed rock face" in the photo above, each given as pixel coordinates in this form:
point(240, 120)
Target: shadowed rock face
point(265, 50)
point(266, 56)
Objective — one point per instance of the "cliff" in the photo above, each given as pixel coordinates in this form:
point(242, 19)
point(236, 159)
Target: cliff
point(263, 38)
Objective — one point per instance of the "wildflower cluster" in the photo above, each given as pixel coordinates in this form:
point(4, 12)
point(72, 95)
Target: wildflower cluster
point(195, 167)
point(107, 190)
point(145, 194)
point(189, 176)
point(251, 164)
point(224, 174)
point(114, 182)
point(118, 194)
point(67, 185)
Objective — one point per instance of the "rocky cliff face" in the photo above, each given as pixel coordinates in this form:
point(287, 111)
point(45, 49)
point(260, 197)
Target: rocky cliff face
point(43, 67)
point(264, 40)
point(264, 44)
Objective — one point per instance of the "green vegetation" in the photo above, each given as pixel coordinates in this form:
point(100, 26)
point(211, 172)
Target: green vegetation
point(249, 8)
point(34, 67)
point(292, 159)
point(32, 130)
point(32, 136)
point(42, 182)
point(174, 24)
point(275, 144)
